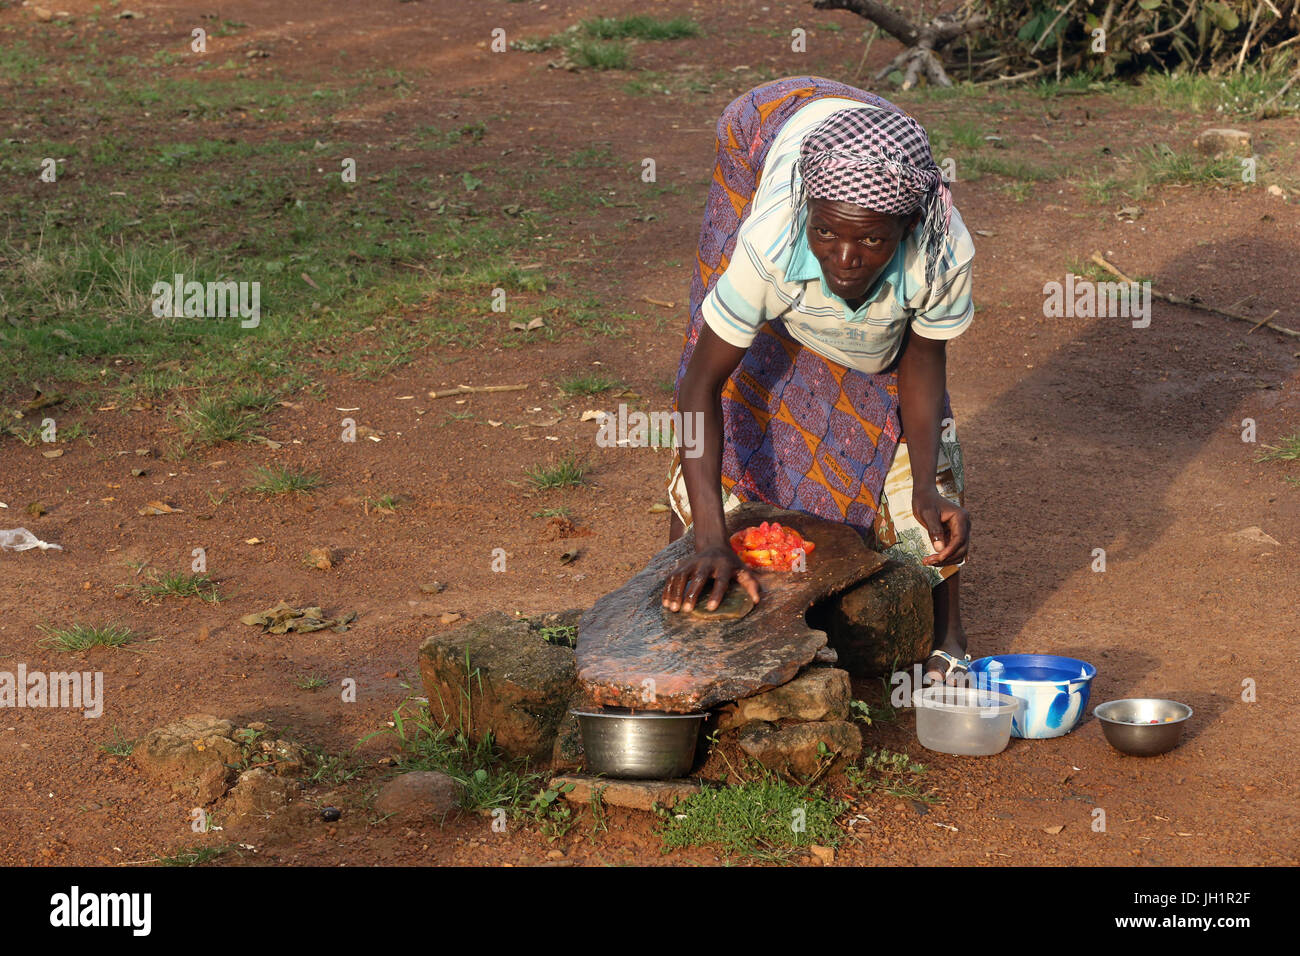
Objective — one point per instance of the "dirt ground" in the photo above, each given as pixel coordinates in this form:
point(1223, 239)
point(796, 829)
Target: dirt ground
point(1079, 434)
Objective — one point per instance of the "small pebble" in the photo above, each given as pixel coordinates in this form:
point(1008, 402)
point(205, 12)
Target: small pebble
point(330, 814)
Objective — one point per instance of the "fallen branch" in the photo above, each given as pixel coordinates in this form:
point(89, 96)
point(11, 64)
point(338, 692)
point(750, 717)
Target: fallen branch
point(922, 43)
point(468, 389)
point(1199, 306)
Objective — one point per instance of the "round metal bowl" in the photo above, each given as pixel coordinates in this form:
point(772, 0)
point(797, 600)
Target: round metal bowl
point(644, 745)
point(1128, 725)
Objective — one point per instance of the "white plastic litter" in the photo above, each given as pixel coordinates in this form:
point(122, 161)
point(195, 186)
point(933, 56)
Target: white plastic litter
point(20, 539)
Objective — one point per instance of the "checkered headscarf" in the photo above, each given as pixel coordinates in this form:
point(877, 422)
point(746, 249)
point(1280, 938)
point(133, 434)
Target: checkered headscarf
point(881, 160)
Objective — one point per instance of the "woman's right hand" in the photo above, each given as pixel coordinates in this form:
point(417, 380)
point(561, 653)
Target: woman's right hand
point(688, 583)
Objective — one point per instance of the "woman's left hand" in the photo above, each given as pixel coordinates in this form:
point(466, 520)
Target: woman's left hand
point(948, 524)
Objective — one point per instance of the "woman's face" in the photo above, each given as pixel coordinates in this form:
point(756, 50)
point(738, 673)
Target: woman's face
point(853, 243)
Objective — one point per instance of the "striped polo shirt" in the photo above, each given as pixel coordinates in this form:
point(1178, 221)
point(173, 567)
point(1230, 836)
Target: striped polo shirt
point(773, 274)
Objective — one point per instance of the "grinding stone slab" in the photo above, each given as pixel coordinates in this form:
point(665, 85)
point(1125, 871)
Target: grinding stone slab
point(628, 637)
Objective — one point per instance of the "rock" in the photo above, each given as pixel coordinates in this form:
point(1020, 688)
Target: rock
point(628, 643)
point(259, 793)
point(819, 693)
point(1223, 142)
point(191, 755)
point(793, 747)
point(632, 794)
point(567, 752)
point(826, 655)
point(1257, 535)
point(886, 621)
point(285, 759)
point(825, 855)
point(735, 604)
point(419, 795)
point(517, 684)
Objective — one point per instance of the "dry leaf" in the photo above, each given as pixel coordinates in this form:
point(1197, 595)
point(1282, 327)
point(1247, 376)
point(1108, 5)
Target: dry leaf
point(137, 472)
point(1054, 830)
point(449, 617)
point(495, 424)
point(547, 422)
point(252, 541)
point(54, 453)
point(436, 587)
point(657, 508)
point(158, 508)
point(570, 556)
point(593, 415)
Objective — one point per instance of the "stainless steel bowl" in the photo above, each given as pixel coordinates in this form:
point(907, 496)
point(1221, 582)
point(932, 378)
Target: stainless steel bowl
point(1128, 728)
point(643, 745)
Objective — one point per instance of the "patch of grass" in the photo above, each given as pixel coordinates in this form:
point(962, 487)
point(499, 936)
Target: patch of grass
point(958, 133)
point(119, 746)
point(598, 55)
point(81, 263)
point(1089, 80)
point(889, 772)
point(216, 419)
point(551, 811)
point(1003, 166)
point(490, 781)
point(80, 637)
point(310, 682)
point(1230, 92)
point(640, 27)
point(591, 384)
point(329, 769)
point(568, 472)
point(194, 856)
point(565, 635)
point(1160, 164)
point(767, 819)
point(385, 504)
point(276, 480)
point(552, 513)
point(1287, 449)
point(1086, 268)
point(601, 43)
point(1101, 189)
point(1019, 192)
point(179, 584)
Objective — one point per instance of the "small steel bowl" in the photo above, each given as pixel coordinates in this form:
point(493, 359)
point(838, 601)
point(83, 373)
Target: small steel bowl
point(645, 745)
point(1128, 728)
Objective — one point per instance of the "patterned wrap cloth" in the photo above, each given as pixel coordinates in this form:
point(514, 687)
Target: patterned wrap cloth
point(802, 432)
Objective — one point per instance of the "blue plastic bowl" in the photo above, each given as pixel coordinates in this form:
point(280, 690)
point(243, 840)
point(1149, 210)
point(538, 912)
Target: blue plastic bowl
point(1054, 690)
